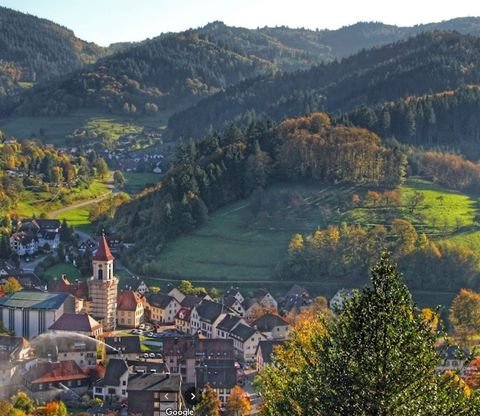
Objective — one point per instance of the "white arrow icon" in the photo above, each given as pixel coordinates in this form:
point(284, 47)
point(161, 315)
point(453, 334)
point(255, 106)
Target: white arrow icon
point(193, 396)
point(166, 396)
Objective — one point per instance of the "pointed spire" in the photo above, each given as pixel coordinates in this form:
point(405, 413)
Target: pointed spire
point(103, 253)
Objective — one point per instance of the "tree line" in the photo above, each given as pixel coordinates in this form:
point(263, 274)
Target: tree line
point(346, 252)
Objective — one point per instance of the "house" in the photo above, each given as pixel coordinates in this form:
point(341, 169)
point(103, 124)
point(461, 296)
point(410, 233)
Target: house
point(182, 320)
point(453, 359)
point(265, 352)
point(245, 341)
point(79, 323)
point(142, 288)
point(233, 303)
point(113, 387)
point(162, 308)
point(79, 290)
point(153, 393)
point(23, 244)
point(273, 326)
point(124, 346)
point(66, 347)
point(47, 379)
point(14, 352)
point(184, 354)
point(296, 299)
point(261, 303)
point(29, 314)
point(177, 294)
point(227, 324)
point(29, 281)
point(235, 292)
point(205, 316)
point(336, 303)
point(221, 375)
point(130, 310)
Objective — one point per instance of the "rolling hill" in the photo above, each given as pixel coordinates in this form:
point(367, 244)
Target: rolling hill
point(35, 50)
point(429, 62)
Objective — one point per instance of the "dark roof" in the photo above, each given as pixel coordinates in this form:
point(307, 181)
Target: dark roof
point(48, 224)
point(75, 322)
point(266, 349)
point(47, 372)
point(297, 290)
point(137, 366)
point(453, 352)
point(190, 301)
point(154, 382)
point(242, 332)
point(214, 348)
point(232, 291)
point(115, 369)
point(269, 321)
point(209, 311)
point(128, 301)
point(34, 300)
point(126, 344)
point(260, 293)
point(227, 323)
point(159, 300)
point(229, 301)
point(103, 252)
point(217, 373)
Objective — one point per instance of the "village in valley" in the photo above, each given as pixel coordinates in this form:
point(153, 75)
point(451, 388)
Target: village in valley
point(114, 351)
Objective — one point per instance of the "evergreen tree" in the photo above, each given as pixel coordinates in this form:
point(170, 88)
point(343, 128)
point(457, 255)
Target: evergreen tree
point(377, 358)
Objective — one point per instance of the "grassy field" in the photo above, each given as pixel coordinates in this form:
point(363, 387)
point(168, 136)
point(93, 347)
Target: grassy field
point(68, 269)
point(37, 202)
point(56, 129)
point(234, 248)
point(136, 181)
point(78, 218)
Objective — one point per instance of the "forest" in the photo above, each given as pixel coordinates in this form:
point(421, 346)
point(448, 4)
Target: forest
point(424, 64)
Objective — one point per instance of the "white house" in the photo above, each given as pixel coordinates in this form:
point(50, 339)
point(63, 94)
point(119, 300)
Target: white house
point(337, 301)
point(245, 341)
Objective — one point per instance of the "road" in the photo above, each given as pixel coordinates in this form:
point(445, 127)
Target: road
point(56, 213)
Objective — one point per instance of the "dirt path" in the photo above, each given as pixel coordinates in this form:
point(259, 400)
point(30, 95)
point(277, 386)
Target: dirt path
point(54, 214)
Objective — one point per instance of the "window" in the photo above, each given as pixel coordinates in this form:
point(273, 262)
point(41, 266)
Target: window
point(124, 383)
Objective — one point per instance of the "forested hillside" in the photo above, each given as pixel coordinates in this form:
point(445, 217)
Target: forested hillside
point(222, 169)
point(429, 62)
point(176, 70)
point(34, 50)
point(164, 72)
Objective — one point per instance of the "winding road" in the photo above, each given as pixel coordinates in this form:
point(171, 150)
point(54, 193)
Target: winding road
point(54, 214)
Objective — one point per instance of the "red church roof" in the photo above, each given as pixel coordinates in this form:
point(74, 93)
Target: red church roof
point(103, 253)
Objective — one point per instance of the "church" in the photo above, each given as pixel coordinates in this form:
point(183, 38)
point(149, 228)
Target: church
point(98, 296)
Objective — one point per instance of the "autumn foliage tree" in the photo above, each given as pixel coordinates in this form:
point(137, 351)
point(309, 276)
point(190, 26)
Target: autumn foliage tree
point(55, 408)
point(209, 404)
point(465, 312)
point(238, 403)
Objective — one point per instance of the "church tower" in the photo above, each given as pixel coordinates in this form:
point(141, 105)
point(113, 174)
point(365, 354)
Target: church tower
point(103, 286)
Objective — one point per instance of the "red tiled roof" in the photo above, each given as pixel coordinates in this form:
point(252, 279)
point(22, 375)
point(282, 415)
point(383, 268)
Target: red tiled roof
point(103, 253)
point(46, 372)
point(128, 301)
point(79, 290)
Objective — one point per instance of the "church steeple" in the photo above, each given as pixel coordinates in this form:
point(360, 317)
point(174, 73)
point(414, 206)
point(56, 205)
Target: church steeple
point(103, 253)
point(103, 286)
point(102, 261)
